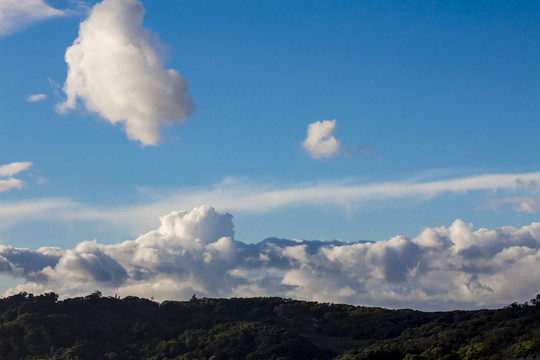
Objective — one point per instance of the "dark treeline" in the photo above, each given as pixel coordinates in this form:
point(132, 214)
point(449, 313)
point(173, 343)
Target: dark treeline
point(99, 327)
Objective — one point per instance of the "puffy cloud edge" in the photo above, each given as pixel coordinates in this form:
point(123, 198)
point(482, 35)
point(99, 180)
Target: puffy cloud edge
point(195, 252)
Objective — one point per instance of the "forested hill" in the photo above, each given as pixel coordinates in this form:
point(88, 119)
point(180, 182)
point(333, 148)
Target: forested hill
point(98, 327)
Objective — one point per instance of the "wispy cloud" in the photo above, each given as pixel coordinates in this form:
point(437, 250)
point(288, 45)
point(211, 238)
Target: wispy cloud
point(36, 97)
point(195, 252)
point(7, 181)
point(40, 209)
point(363, 149)
point(519, 203)
point(245, 197)
point(17, 14)
point(115, 70)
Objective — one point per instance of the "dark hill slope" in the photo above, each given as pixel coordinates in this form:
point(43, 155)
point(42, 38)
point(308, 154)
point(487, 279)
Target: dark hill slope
point(97, 327)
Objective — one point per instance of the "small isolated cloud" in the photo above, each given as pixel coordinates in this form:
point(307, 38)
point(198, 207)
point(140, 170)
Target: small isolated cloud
point(114, 68)
point(42, 181)
point(10, 184)
point(320, 143)
point(14, 168)
point(358, 150)
point(7, 181)
point(195, 252)
point(36, 97)
point(364, 149)
point(17, 14)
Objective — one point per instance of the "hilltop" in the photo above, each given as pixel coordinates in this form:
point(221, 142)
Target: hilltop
point(99, 327)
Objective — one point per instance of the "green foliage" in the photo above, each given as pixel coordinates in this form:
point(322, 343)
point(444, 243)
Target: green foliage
point(433, 353)
point(476, 351)
point(242, 340)
point(526, 349)
point(100, 327)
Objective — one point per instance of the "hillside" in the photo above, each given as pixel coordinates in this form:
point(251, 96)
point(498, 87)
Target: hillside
point(98, 327)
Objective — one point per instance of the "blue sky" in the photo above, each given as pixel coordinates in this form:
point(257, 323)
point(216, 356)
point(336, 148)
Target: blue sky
point(435, 105)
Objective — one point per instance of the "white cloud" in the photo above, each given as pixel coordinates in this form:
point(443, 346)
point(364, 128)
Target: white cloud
point(17, 14)
point(10, 184)
point(7, 181)
point(320, 143)
point(49, 209)
point(14, 168)
point(195, 252)
point(248, 197)
point(114, 68)
point(519, 203)
point(36, 97)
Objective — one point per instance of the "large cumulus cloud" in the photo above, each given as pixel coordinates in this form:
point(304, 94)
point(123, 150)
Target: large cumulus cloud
point(195, 252)
point(114, 68)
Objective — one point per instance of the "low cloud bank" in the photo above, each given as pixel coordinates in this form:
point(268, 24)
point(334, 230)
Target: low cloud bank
point(195, 252)
point(114, 68)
